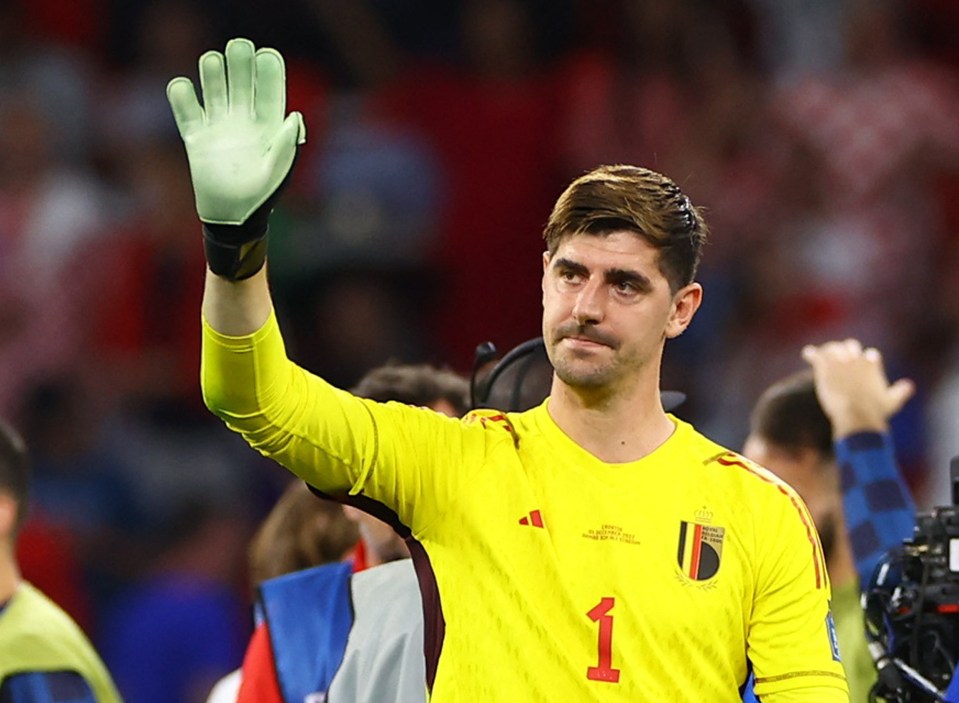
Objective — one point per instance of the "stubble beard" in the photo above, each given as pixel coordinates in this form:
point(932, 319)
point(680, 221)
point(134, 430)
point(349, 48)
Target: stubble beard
point(585, 375)
point(584, 370)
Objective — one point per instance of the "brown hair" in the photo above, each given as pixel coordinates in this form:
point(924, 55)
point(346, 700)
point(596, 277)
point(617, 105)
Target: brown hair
point(419, 384)
point(613, 198)
point(788, 414)
point(302, 530)
point(14, 470)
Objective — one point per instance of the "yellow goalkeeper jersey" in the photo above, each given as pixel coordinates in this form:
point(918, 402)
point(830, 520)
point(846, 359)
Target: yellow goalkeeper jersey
point(547, 574)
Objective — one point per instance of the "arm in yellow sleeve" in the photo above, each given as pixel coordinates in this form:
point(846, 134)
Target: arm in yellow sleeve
point(412, 460)
point(791, 640)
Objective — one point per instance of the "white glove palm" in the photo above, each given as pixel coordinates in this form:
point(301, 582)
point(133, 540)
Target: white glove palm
point(240, 144)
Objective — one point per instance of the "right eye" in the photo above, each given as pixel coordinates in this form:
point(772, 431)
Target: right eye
point(568, 275)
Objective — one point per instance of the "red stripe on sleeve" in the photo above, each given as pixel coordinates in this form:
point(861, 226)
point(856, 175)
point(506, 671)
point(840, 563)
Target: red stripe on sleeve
point(810, 532)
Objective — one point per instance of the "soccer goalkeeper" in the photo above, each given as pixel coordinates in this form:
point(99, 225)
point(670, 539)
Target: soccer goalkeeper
point(594, 548)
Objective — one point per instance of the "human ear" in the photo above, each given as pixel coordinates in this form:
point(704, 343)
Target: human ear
point(8, 515)
point(685, 304)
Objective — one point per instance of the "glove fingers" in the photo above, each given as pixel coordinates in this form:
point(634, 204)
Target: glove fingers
point(269, 97)
point(292, 133)
point(186, 109)
point(239, 66)
point(213, 85)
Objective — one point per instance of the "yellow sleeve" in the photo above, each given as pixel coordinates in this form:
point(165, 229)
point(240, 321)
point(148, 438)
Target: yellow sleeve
point(817, 694)
point(791, 641)
point(412, 460)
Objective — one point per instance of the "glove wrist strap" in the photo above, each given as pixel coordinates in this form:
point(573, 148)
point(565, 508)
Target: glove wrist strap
point(233, 255)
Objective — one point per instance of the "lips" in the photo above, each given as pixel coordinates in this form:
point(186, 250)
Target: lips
point(585, 337)
point(585, 341)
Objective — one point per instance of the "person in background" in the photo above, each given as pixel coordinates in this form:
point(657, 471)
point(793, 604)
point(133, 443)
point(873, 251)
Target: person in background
point(301, 531)
point(825, 431)
point(183, 624)
point(44, 656)
point(371, 648)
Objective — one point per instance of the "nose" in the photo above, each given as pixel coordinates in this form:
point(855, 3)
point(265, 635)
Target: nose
point(588, 307)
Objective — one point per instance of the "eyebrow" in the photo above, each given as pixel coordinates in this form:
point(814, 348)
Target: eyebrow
point(636, 279)
point(613, 276)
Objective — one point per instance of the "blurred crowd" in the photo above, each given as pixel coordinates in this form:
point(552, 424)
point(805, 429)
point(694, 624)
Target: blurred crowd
point(821, 136)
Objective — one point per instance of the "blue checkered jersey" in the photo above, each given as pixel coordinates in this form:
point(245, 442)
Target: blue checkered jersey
point(878, 507)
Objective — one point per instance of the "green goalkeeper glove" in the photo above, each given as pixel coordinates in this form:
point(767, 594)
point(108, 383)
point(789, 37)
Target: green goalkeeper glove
point(241, 147)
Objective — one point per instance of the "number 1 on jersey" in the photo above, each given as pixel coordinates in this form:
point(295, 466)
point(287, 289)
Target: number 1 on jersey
point(604, 671)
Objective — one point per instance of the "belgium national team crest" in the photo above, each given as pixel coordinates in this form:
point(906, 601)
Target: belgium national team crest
point(700, 549)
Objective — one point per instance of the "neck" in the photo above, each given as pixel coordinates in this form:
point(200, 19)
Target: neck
point(613, 428)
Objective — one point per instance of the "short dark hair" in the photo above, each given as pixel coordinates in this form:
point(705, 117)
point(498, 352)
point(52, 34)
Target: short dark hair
point(788, 414)
point(14, 470)
point(612, 198)
point(415, 384)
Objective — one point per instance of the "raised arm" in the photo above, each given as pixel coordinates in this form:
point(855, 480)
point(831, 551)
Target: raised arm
point(859, 400)
point(241, 146)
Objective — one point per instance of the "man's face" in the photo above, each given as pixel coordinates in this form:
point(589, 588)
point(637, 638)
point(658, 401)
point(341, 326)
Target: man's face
point(813, 482)
point(607, 309)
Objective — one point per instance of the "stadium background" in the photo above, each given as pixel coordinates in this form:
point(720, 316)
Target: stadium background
point(821, 136)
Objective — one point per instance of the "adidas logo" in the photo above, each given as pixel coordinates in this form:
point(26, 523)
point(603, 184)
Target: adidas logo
point(534, 519)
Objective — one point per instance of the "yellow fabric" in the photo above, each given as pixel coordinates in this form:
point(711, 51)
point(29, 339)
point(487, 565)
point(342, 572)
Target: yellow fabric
point(598, 604)
point(850, 628)
point(36, 636)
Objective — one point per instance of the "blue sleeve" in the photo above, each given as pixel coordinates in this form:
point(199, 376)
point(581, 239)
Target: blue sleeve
point(878, 507)
point(46, 687)
point(952, 693)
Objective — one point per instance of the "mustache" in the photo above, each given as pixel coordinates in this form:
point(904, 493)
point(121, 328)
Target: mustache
point(584, 332)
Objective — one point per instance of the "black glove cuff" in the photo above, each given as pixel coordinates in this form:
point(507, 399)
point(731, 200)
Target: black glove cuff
point(236, 252)
point(230, 253)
